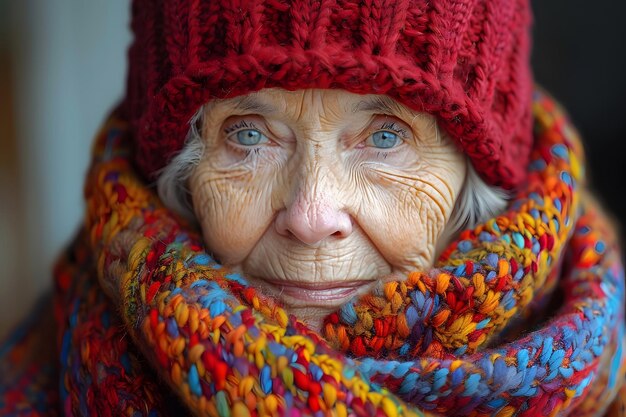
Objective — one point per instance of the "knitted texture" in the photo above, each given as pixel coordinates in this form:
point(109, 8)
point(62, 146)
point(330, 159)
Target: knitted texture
point(464, 61)
point(28, 371)
point(143, 312)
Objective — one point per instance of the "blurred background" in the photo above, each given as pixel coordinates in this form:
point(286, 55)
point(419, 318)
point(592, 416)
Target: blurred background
point(62, 68)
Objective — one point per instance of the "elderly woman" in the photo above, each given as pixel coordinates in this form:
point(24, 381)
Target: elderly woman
point(317, 196)
point(331, 208)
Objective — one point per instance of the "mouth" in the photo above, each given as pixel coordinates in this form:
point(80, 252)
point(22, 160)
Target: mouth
point(317, 294)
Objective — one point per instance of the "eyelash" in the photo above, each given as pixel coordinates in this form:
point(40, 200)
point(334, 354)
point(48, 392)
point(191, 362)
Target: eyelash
point(233, 129)
point(389, 126)
point(242, 124)
point(392, 126)
point(246, 151)
point(249, 151)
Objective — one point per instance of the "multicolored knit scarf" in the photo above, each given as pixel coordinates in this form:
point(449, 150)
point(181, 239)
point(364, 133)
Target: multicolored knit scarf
point(523, 315)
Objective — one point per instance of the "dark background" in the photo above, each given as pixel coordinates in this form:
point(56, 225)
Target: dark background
point(579, 56)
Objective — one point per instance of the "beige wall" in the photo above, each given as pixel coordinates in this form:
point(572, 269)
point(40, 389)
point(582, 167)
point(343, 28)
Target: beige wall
point(62, 67)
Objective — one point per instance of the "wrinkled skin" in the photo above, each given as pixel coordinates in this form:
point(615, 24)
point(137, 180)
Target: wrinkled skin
point(298, 191)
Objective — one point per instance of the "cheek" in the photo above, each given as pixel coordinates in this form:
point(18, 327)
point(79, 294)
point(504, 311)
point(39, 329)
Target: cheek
point(405, 212)
point(233, 208)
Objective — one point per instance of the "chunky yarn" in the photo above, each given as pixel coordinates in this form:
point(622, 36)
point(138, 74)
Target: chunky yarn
point(522, 315)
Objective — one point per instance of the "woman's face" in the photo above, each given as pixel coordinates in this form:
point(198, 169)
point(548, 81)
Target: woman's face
point(317, 194)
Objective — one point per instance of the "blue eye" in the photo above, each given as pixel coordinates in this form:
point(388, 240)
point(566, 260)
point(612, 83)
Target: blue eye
point(385, 139)
point(250, 137)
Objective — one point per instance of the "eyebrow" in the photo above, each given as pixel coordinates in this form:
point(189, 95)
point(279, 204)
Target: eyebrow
point(388, 106)
point(383, 105)
point(252, 104)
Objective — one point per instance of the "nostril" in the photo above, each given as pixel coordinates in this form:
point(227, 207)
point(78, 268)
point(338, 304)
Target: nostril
point(343, 225)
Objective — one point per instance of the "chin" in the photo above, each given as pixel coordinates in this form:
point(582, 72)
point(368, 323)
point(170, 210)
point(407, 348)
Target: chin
point(313, 317)
point(313, 282)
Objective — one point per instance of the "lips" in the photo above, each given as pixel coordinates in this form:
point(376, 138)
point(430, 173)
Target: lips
point(317, 294)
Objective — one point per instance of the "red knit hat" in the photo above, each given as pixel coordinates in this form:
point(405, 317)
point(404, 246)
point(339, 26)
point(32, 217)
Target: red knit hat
point(464, 61)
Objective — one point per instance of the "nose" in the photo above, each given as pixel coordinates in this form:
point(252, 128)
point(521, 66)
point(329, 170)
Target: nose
point(313, 218)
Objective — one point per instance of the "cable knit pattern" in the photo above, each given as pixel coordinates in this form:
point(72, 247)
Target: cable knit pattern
point(464, 61)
